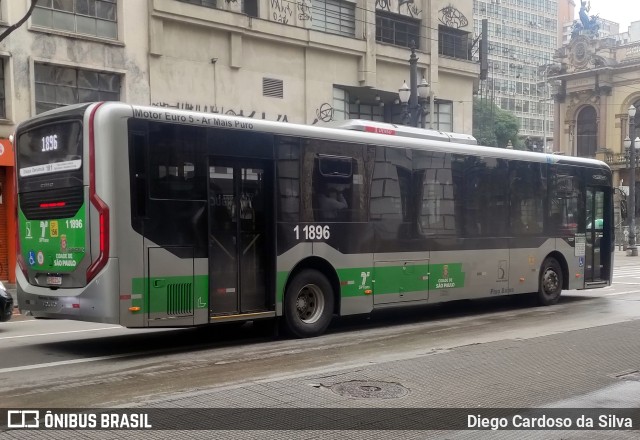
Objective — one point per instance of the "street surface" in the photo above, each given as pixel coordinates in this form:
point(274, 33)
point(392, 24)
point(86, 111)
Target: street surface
point(582, 353)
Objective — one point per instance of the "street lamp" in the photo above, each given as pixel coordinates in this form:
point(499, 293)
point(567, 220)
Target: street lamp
point(633, 251)
point(415, 97)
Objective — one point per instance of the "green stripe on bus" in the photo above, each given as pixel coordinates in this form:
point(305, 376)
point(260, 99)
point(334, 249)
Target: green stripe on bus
point(391, 279)
point(354, 282)
point(153, 297)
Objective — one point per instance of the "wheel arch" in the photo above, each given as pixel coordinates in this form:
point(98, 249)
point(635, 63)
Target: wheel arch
point(562, 261)
point(322, 266)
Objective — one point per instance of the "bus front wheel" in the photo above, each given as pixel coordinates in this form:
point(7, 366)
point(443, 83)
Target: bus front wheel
point(550, 285)
point(308, 304)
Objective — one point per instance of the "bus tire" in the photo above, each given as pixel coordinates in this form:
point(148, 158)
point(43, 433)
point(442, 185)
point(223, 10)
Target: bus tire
point(308, 304)
point(550, 283)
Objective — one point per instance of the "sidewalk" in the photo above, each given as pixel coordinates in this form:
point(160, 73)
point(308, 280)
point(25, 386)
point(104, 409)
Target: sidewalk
point(620, 258)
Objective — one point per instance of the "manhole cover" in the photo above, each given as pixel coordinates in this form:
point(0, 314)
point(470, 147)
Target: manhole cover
point(370, 390)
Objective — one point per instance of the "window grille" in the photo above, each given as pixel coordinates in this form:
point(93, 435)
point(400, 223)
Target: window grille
point(397, 29)
point(334, 17)
point(57, 86)
point(89, 17)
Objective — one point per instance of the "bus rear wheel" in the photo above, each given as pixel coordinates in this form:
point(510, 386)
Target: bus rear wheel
point(308, 304)
point(550, 284)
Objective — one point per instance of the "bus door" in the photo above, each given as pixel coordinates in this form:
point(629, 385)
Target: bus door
point(598, 250)
point(238, 236)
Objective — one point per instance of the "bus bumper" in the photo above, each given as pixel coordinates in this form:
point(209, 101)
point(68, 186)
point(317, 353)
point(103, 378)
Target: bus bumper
point(96, 302)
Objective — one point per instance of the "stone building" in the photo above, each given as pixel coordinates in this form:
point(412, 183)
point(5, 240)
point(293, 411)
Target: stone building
point(596, 83)
point(299, 61)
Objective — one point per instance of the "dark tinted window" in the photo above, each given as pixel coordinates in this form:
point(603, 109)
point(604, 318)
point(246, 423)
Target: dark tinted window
point(177, 162)
point(481, 192)
point(333, 182)
point(566, 200)
point(391, 195)
point(434, 186)
point(321, 180)
point(288, 165)
point(528, 188)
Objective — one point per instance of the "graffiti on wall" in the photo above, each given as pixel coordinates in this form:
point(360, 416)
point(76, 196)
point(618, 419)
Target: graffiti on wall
point(385, 5)
point(281, 11)
point(451, 17)
point(304, 10)
point(412, 9)
point(405, 7)
point(221, 110)
point(324, 113)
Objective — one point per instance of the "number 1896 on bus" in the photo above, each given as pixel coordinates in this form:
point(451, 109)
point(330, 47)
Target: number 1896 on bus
point(312, 232)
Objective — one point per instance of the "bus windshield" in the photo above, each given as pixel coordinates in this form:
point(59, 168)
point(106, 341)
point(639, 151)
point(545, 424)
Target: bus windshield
point(50, 148)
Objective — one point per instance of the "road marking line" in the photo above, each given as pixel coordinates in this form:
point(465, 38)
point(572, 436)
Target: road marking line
point(69, 362)
point(621, 293)
point(60, 333)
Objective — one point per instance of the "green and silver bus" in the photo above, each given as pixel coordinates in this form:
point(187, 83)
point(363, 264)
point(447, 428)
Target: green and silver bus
point(153, 217)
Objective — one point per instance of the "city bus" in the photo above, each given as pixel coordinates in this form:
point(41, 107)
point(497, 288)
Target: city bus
point(155, 217)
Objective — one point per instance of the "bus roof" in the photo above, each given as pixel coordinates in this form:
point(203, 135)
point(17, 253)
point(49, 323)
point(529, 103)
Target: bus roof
point(439, 143)
point(401, 130)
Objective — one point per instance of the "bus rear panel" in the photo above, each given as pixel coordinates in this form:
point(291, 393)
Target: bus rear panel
point(60, 270)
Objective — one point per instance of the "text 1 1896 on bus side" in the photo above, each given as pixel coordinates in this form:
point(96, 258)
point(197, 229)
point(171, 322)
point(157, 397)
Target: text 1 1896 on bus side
point(312, 232)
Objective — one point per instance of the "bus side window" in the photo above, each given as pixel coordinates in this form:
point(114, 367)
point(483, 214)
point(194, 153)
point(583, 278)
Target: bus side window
point(137, 153)
point(332, 178)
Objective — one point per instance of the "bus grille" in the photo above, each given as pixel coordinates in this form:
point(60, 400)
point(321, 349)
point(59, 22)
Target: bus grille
point(32, 203)
point(179, 299)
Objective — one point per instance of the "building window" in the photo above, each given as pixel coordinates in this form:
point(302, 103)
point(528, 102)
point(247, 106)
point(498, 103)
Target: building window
point(3, 106)
point(334, 17)
point(397, 29)
point(340, 110)
point(369, 112)
point(90, 17)
point(453, 42)
point(587, 138)
point(57, 86)
point(205, 3)
point(443, 118)
point(250, 7)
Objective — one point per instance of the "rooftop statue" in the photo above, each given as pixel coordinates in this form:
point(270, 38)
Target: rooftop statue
point(588, 26)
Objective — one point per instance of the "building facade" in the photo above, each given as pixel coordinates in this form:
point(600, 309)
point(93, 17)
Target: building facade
point(596, 83)
point(302, 61)
point(523, 36)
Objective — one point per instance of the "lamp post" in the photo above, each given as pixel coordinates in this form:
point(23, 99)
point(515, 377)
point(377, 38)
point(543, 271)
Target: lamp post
point(633, 251)
point(415, 96)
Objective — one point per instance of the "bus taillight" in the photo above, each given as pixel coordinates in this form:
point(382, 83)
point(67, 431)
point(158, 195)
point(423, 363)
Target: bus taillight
point(53, 205)
point(98, 203)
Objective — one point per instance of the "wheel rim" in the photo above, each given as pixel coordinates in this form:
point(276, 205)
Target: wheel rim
point(550, 282)
point(310, 303)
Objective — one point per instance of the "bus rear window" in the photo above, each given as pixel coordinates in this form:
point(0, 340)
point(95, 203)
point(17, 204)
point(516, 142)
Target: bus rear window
point(50, 148)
